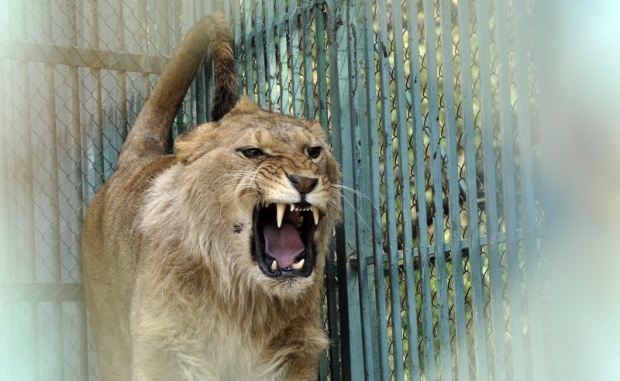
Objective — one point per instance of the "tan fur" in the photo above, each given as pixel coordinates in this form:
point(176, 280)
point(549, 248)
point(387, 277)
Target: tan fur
point(172, 288)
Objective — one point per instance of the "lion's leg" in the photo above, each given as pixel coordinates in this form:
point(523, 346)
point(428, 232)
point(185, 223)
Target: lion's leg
point(108, 315)
point(110, 327)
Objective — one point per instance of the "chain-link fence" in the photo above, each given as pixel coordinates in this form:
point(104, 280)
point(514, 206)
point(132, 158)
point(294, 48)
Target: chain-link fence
point(430, 109)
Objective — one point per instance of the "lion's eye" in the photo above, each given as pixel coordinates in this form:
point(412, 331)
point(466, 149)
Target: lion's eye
point(251, 153)
point(314, 152)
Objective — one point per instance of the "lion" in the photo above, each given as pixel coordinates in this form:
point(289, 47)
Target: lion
point(207, 264)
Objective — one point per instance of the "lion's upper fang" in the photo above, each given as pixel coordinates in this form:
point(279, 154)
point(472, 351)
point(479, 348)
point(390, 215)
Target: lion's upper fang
point(302, 207)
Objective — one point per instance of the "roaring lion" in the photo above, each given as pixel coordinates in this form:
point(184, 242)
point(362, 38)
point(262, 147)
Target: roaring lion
point(208, 264)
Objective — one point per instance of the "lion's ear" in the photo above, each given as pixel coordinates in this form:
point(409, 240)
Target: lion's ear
point(316, 128)
point(194, 143)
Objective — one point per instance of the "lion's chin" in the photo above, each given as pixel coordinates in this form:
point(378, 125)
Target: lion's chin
point(289, 288)
point(283, 241)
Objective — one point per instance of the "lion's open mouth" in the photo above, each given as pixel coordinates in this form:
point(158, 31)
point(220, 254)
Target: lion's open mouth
point(284, 239)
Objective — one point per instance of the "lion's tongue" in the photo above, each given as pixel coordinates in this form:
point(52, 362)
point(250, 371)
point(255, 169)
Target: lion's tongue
point(283, 244)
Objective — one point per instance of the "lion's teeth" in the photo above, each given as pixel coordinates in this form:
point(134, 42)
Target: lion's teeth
point(300, 221)
point(280, 213)
point(315, 213)
point(274, 265)
point(292, 207)
point(299, 265)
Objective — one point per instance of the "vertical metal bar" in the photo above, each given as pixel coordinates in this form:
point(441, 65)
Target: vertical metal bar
point(321, 67)
point(341, 129)
point(362, 177)
point(4, 181)
point(270, 47)
point(527, 193)
point(197, 8)
point(201, 82)
point(462, 358)
point(282, 55)
point(390, 192)
point(428, 345)
point(56, 331)
point(143, 41)
point(404, 173)
point(27, 195)
point(121, 79)
point(93, 163)
point(508, 189)
point(437, 181)
point(229, 6)
point(29, 204)
point(201, 94)
point(368, 200)
point(490, 187)
point(336, 350)
point(382, 366)
point(248, 44)
point(235, 12)
point(209, 79)
point(259, 27)
point(6, 261)
point(76, 150)
point(308, 58)
point(179, 125)
point(478, 317)
point(296, 61)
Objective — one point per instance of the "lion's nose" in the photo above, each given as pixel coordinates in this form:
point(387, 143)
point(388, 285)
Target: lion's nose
point(303, 184)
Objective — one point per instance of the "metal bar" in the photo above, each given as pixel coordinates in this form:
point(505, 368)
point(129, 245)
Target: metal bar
point(321, 67)
point(96, 166)
point(73, 56)
point(247, 46)
point(234, 11)
point(465, 245)
point(383, 46)
point(381, 365)
point(179, 126)
point(437, 183)
point(341, 129)
point(201, 94)
point(508, 190)
point(296, 60)
point(356, 28)
point(40, 292)
point(497, 321)
point(450, 132)
point(308, 58)
point(270, 47)
point(532, 259)
point(283, 19)
point(209, 78)
point(56, 334)
point(259, 25)
point(121, 79)
point(6, 261)
point(282, 56)
point(478, 316)
point(406, 202)
point(428, 345)
point(30, 270)
point(332, 273)
point(5, 201)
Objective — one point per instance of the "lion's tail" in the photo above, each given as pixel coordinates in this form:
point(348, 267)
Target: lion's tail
point(149, 134)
